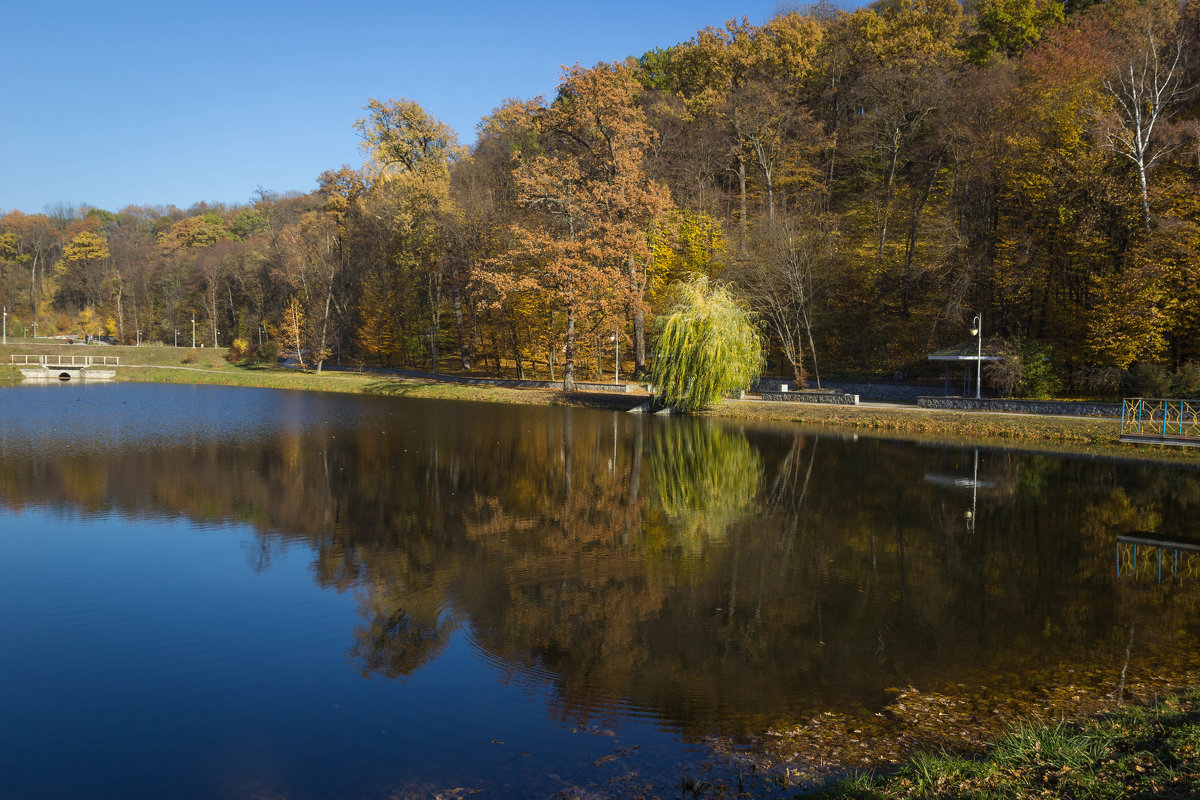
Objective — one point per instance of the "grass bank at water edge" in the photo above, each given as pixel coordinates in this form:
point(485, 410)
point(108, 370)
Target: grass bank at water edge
point(208, 366)
point(1150, 751)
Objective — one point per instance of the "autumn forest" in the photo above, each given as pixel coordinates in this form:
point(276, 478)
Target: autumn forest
point(866, 182)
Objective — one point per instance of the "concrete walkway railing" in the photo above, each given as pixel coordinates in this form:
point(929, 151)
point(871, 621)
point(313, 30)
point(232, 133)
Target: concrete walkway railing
point(65, 361)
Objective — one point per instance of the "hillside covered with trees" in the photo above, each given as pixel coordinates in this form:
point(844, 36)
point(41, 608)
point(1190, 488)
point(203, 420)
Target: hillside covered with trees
point(866, 182)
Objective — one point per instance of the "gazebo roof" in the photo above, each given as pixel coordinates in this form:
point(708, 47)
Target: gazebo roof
point(966, 351)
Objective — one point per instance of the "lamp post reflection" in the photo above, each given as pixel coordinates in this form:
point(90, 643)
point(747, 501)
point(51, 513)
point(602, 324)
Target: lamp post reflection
point(958, 482)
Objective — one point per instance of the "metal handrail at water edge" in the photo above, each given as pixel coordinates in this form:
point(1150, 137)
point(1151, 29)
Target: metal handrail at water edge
point(65, 361)
point(1160, 419)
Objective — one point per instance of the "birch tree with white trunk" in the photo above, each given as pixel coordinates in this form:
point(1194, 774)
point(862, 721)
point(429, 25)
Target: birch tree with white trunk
point(1145, 90)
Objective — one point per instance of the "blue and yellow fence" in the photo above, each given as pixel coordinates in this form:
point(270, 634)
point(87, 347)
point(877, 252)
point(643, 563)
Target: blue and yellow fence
point(1149, 556)
point(1158, 420)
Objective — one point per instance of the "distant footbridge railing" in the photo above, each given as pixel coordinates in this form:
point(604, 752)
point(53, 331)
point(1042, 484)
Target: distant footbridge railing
point(66, 361)
point(1158, 420)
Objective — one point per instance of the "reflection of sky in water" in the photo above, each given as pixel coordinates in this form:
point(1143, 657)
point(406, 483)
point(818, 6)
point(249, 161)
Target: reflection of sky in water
point(166, 665)
point(95, 417)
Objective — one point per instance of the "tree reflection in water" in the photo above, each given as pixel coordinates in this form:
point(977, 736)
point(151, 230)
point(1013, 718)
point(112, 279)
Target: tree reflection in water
point(719, 579)
point(706, 480)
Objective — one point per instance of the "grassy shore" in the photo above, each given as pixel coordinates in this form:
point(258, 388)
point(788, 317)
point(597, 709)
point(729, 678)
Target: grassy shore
point(1139, 751)
point(932, 422)
point(208, 366)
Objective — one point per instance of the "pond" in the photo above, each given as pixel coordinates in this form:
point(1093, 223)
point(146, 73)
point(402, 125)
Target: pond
point(255, 593)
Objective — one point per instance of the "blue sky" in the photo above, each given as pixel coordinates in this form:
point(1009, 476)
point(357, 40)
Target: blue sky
point(121, 103)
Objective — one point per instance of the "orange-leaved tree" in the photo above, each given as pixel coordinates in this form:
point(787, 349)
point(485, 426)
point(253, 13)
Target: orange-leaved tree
point(590, 206)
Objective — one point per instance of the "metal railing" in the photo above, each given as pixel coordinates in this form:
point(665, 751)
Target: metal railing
point(1160, 418)
point(1159, 557)
point(66, 361)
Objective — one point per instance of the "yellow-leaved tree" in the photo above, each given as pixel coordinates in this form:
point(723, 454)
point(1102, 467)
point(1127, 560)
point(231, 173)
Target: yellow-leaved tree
point(408, 164)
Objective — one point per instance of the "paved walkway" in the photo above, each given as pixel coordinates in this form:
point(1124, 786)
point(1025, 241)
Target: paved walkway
point(881, 405)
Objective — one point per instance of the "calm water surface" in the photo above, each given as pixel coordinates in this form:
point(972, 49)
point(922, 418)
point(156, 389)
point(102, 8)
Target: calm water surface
point(217, 592)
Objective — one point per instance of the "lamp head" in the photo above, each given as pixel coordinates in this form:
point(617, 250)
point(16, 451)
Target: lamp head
point(974, 331)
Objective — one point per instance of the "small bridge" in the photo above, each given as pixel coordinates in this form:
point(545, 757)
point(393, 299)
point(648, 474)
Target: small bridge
point(1147, 420)
point(65, 368)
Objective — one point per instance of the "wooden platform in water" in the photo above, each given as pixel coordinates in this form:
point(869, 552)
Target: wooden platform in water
point(1177, 441)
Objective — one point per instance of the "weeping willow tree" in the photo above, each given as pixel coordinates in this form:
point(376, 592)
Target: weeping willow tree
point(708, 346)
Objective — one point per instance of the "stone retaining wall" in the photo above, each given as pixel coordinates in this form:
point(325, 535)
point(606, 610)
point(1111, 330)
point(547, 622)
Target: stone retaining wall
point(603, 387)
point(1049, 407)
point(820, 398)
point(886, 391)
point(509, 383)
point(769, 384)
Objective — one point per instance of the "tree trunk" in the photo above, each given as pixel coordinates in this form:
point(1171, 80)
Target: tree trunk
point(324, 331)
point(516, 346)
point(798, 372)
point(569, 366)
point(741, 176)
point(886, 202)
point(120, 310)
point(33, 293)
point(433, 292)
point(638, 287)
point(639, 341)
point(1145, 195)
point(456, 300)
point(293, 309)
point(212, 316)
point(812, 349)
point(768, 172)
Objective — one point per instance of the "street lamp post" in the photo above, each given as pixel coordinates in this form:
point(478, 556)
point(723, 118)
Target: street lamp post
point(193, 331)
point(616, 359)
point(177, 337)
point(977, 331)
point(6, 325)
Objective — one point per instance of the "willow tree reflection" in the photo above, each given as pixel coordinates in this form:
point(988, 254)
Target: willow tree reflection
point(706, 479)
point(403, 629)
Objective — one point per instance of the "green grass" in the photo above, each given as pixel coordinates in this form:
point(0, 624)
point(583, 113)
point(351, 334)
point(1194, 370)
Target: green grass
point(1148, 751)
point(934, 422)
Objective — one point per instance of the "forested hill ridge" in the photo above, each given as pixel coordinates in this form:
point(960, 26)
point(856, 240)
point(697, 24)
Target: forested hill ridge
point(867, 182)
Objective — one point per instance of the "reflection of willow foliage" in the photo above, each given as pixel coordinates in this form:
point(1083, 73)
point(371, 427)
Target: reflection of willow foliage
point(707, 479)
point(708, 346)
point(405, 629)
